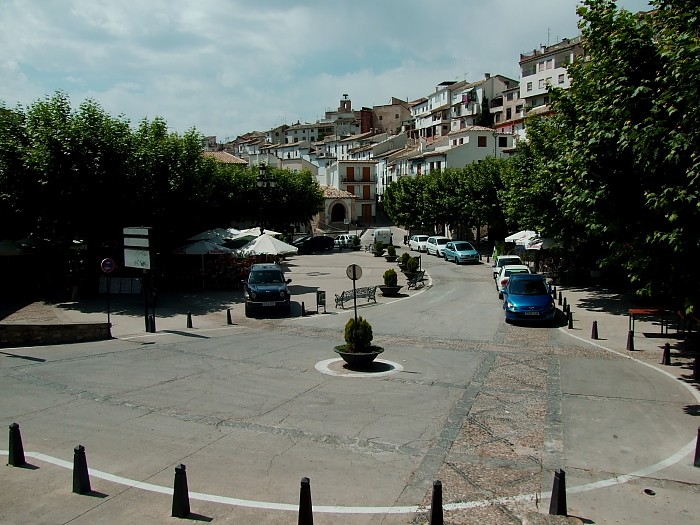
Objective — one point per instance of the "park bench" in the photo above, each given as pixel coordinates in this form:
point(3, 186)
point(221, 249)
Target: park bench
point(416, 280)
point(366, 292)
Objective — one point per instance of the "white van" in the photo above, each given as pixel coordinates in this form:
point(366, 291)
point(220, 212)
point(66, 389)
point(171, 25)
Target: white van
point(383, 235)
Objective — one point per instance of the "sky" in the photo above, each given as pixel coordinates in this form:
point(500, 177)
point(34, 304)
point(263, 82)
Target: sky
point(228, 67)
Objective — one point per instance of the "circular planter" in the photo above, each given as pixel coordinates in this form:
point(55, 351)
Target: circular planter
point(409, 275)
point(358, 359)
point(391, 258)
point(390, 291)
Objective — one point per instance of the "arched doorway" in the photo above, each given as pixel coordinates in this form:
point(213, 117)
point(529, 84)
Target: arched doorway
point(338, 212)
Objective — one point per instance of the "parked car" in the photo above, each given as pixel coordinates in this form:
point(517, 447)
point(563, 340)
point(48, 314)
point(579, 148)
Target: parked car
point(344, 240)
point(314, 243)
point(527, 297)
point(265, 289)
point(505, 273)
point(460, 252)
point(417, 242)
point(503, 260)
point(435, 245)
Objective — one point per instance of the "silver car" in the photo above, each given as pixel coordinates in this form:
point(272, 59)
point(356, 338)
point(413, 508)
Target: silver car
point(417, 242)
point(436, 244)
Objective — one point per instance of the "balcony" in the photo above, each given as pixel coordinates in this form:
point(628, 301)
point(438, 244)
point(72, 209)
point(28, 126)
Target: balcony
point(370, 180)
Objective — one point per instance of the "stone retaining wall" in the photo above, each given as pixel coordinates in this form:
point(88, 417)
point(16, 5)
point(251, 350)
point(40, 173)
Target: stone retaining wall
point(52, 334)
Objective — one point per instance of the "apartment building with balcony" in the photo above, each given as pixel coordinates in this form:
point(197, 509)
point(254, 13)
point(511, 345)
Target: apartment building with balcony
point(358, 178)
point(546, 67)
point(508, 111)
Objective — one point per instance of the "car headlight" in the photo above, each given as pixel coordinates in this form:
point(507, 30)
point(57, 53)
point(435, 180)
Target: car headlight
point(252, 295)
point(510, 305)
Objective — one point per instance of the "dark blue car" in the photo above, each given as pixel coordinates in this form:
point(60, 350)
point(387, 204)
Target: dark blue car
point(266, 289)
point(527, 298)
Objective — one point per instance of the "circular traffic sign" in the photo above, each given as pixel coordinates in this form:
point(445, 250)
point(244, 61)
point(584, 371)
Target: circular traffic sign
point(354, 272)
point(108, 265)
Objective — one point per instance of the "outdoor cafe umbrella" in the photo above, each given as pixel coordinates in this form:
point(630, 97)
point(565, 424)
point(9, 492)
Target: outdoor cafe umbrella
point(540, 243)
point(521, 237)
point(267, 245)
point(254, 232)
point(203, 248)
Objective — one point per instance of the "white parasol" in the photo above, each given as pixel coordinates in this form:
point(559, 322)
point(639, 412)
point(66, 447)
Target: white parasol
point(521, 237)
point(267, 245)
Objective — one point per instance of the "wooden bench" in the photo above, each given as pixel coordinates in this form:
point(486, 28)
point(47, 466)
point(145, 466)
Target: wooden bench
point(660, 313)
point(367, 292)
point(417, 279)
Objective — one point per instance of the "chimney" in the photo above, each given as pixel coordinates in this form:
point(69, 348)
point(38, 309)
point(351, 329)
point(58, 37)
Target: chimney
point(487, 75)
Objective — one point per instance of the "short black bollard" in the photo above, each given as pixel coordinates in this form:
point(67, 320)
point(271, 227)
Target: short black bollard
point(436, 517)
point(570, 318)
point(557, 505)
point(228, 317)
point(181, 496)
point(696, 461)
point(152, 324)
point(666, 359)
point(15, 455)
point(303, 309)
point(696, 368)
point(630, 341)
point(81, 478)
point(594, 330)
point(559, 301)
point(566, 306)
point(306, 515)
point(189, 319)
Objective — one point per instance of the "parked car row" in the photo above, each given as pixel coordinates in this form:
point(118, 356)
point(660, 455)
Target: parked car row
point(526, 296)
point(440, 246)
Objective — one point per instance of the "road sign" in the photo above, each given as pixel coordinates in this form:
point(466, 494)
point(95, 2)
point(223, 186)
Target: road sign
point(354, 272)
point(108, 265)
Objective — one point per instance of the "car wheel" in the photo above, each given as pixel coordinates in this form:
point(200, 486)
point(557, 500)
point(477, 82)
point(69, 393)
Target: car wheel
point(248, 312)
point(444, 257)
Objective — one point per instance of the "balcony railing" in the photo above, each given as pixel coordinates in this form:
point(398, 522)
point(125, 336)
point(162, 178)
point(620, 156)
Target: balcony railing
point(372, 178)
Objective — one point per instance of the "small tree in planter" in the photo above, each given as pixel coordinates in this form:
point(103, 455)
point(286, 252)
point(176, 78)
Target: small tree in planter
point(412, 265)
point(390, 277)
point(355, 242)
point(358, 349)
point(390, 253)
point(403, 261)
point(378, 249)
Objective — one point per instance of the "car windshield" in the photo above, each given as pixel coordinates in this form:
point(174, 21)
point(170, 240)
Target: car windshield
point(463, 246)
point(265, 276)
point(527, 287)
point(441, 241)
point(514, 270)
point(422, 238)
point(512, 260)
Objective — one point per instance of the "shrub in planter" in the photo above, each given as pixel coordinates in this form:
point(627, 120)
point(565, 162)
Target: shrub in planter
point(355, 241)
point(390, 277)
point(391, 251)
point(412, 265)
point(405, 256)
point(378, 248)
point(358, 336)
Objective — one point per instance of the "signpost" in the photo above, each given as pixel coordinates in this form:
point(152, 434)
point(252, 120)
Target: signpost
point(108, 265)
point(354, 272)
point(137, 254)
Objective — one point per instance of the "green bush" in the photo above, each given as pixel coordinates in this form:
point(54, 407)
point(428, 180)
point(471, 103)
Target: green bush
point(391, 251)
point(390, 277)
point(379, 247)
point(405, 256)
point(355, 240)
point(358, 336)
point(412, 265)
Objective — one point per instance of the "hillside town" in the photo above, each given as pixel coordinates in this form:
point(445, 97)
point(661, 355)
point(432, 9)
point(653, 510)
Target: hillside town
point(355, 154)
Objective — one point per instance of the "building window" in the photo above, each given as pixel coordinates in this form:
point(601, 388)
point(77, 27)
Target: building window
point(550, 64)
point(498, 117)
point(529, 86)
point(396, 116)
point(502, 142)
point(548, 81)
point(561, 79)
point(366, 172)
point(509, 113)
point(381, 117)
point(509, 96)
point(481, 141)
point(454, 142)
point(519, 109)
point(540, 66)
point(351, 190)
point(461, 141)
point(350, 174)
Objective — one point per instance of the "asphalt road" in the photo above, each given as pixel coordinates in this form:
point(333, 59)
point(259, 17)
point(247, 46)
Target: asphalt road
point(491, 410)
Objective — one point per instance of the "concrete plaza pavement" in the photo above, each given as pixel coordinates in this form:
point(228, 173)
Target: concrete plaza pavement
point(651, 406)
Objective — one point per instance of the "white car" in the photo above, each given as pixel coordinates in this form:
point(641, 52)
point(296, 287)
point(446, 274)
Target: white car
point(435, 245)
point(417, 242)
point(502, 260)
point(505, 273)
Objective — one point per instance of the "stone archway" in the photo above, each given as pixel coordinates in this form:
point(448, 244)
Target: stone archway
point(338, 212)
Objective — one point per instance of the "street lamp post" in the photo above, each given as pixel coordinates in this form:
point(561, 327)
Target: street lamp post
point(265, 180)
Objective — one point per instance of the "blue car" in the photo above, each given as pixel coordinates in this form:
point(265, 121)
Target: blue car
point(460, 252)
point(527, 297)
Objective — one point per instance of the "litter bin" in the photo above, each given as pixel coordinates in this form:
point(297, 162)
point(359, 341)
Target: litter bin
point(405, 239)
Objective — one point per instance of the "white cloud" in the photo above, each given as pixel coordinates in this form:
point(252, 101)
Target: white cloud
point(228, 67)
